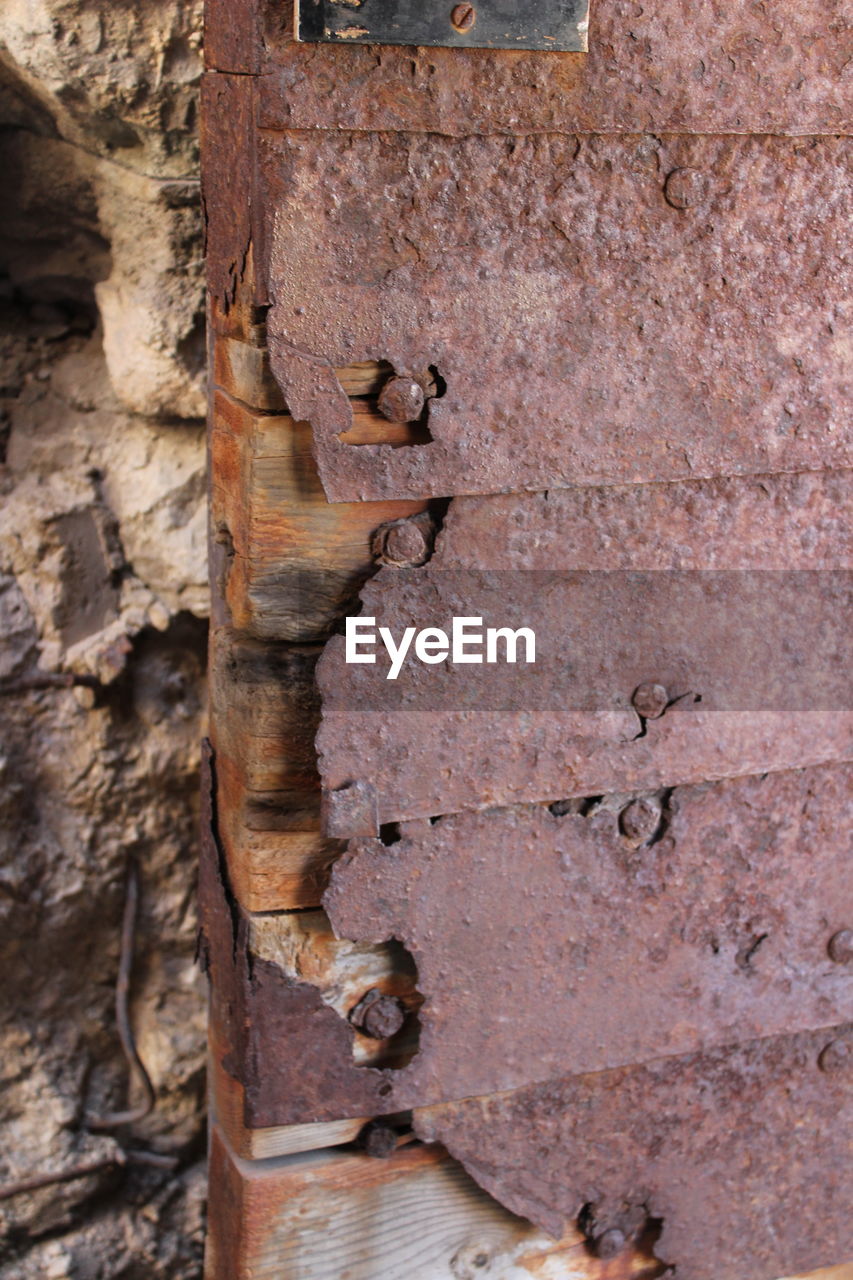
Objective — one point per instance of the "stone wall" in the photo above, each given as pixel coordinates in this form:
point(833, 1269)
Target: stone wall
point(103, 584)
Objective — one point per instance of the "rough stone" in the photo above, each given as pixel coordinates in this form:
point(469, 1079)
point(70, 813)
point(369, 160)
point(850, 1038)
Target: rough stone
point(102, 580)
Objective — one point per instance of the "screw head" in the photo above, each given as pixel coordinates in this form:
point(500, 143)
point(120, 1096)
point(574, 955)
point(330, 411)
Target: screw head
point(836, 1056)
point(650, 700)
point(685, 188)
point(639, 820)
point(403, 544)
point(401, 400)
point(377, 1015)
point(463, 17)
point(609, 1243)
point(840, 946)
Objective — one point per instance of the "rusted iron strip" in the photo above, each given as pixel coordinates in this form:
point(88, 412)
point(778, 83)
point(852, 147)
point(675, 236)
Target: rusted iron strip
point(741, 1155)
point(729, 591)
point(702, 67)
point(604, 310)
point(549, 944)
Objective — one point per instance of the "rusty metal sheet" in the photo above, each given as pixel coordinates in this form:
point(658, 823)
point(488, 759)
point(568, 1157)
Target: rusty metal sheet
point(585, 311)
point(232, 35)
point(227, 178)
point(721, 593)
point(671, 66)
point(550, 944)
point(741, 1155)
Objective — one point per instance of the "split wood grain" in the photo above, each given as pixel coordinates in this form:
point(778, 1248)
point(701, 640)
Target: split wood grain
point(295, 561)
point(329, 1215)
point(243, 369)
point(263, 718)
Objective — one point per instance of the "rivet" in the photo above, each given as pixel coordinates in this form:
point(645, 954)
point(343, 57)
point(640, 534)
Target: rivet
point(650, 700)
point(401, 400)
point(639, 820)
point(840, 946)
point(609, 1243)
point(463, 17)
point(685, 188)
point(404, 544)
point(837, 1055)
point(377, 1015)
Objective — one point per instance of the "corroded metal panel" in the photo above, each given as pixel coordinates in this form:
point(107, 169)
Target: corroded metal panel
point(641, 929)
point(685, 921)
point(590, 310)
point(742, 1155)
point(678, 66)
point(730, 595)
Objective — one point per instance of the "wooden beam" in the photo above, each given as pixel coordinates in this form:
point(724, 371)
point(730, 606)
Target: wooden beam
point(296, 560)
point(414, 1216)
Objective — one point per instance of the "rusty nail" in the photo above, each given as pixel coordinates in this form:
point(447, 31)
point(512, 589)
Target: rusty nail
point(639, 820)
point(463, 17)
point(609, 1243)
point(835, 1056)
point(377, 1015)
point(650, 700)
point(401, 400)
point(841, 946)
point(378, 1140)
point(403, 544)
point(685, 188)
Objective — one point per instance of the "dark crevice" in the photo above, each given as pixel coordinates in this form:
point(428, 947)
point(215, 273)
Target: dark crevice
point(440, 384)
point(666, 814)
point(644, 720)
point(746, 954)
point(576, 806)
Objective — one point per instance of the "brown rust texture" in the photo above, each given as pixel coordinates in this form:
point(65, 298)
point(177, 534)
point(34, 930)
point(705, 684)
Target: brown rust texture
point(725, 590)
point(530, 929)
point(678, 65)
point(742, 1152)
point(257, 1009)
point(556, 932)
point(587, 330)
point(619, 279)
point(227, 151)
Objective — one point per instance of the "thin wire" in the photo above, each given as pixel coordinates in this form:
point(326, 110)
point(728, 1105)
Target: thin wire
point(128, 931)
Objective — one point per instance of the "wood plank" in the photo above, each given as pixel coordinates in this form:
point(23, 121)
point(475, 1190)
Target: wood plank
point(268, 803)
point(278, 870)
point(296, 562)
point(328, 1215)
point(243, 370)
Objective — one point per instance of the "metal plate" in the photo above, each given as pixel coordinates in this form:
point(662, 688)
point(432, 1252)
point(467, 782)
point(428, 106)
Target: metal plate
point(662, 68)
point(742, 1155)
point(707, 923)
point(548, 945)
point(601, 310)
point(488, 24)
point(719, 591)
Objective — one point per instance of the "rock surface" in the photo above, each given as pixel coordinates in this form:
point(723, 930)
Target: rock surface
point(103, 582)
